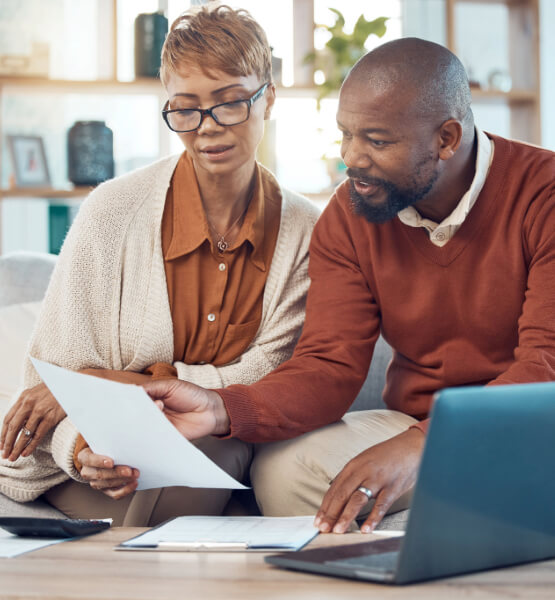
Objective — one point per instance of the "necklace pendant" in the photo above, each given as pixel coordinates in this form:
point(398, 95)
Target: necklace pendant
point(222, 245)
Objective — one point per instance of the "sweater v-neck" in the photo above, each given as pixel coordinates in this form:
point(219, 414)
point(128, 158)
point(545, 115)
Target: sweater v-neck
point(476, 221)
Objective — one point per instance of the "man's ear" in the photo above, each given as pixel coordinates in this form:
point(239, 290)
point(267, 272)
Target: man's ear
point(270, 96)
point(450, 137)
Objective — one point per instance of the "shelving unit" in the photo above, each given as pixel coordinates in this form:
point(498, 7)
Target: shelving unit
point(44, 192)
point(523, 99)
point(25, 85)
point(109, 84)
point(140, 86)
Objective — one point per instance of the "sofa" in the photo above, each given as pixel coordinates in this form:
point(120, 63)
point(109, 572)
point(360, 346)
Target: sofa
point(23, 280)
point(24, 277)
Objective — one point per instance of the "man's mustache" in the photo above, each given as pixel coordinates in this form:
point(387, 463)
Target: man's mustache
point(360, 174)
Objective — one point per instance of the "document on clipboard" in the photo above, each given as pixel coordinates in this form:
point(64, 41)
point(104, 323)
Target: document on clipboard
point(226, 534)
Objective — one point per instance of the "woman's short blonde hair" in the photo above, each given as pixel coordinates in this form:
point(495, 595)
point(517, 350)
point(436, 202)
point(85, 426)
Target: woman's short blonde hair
point(217, 37)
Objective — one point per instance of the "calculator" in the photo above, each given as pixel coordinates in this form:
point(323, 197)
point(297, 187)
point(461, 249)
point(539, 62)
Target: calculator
point(52, 528)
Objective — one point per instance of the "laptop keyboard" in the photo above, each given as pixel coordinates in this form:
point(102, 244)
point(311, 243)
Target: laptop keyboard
point(383, 562)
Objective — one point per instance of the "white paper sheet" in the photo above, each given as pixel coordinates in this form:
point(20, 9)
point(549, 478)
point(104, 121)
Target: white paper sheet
point(226, 533)
point(121, 421)
point(13, 545)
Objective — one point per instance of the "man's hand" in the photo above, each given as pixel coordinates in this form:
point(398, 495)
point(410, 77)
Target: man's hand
point(388, 470)
point(194, 411)
point(102, 474)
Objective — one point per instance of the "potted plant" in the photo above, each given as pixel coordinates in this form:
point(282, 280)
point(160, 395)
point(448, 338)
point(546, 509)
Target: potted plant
point(342, 50)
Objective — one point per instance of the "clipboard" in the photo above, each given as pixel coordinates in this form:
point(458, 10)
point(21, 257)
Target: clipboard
point(225, 534)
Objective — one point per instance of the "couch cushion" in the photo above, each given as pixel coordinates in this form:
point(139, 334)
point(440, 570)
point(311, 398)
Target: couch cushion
point(37, 508)
point(16, 325)
point(24, 276)
point(370, 395)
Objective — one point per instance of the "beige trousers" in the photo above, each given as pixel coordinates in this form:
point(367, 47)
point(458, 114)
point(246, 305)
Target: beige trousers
point(147, 508)
point(291, 477)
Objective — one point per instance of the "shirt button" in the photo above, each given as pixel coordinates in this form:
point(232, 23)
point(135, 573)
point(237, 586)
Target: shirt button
point(211, 317)
point(221, 266)
point(440, 236)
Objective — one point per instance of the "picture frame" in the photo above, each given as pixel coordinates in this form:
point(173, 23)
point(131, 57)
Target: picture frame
point(29, 161)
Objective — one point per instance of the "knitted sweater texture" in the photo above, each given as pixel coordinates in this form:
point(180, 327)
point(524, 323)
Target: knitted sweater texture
point(107, 307)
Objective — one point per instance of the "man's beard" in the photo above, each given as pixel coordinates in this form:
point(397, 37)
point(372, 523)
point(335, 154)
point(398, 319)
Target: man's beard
point(396, 199)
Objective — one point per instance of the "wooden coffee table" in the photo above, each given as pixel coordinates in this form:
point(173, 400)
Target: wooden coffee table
point(91, 568)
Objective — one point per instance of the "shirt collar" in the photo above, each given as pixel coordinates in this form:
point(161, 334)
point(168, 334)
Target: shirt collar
point(190, 227)
point(484, 156)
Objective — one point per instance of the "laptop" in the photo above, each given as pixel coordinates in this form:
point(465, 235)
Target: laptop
point(484, 496)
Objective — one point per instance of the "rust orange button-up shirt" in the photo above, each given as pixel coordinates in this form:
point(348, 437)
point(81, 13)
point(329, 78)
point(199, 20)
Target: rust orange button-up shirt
point(215, 298)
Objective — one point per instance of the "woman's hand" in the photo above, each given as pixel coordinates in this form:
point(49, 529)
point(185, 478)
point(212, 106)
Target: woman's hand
point(36, 412)
point(32, 416)
point(101, 473)
point(388, 470)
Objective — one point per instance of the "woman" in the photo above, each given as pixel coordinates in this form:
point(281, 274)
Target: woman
point(193, 267)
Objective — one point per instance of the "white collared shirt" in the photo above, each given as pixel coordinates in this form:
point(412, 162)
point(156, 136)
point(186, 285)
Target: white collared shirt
point(441, 233)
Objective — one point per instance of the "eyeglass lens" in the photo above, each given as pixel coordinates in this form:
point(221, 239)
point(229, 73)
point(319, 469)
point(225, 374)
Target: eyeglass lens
point(232, 113)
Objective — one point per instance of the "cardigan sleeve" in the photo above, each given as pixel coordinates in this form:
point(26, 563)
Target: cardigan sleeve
point(73, 329)
point(284, 306)
point(79, 323)
point(74, 326)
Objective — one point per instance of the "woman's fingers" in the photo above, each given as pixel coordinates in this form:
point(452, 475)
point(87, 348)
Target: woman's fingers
point(109, 484)
point(119, 472)
point(115, 481)
point(13, 423)
point(40, 425)
point(121, 492)
point(35, 413)
point(30, 434)
point(5, 424)
point(89, 459)
point(40, 431)
point(22, 442)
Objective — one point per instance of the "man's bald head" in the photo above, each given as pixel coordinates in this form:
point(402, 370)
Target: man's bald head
point(428, 75)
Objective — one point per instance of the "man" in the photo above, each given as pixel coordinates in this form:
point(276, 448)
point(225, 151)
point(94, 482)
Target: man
point(442, 239)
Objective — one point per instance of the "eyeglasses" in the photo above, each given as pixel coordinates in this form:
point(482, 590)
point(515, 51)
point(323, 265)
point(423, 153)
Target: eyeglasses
point(183, 120)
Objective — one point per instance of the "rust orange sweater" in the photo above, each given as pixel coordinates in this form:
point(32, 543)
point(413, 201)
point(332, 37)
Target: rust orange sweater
point(480, 310)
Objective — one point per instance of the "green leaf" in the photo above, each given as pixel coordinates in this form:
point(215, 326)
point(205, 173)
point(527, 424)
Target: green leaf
point(379, 26)
point(309, 58)
point(364, 29)
point(360, 31)
point(342, 50)
point(337, 44)
point(340, 19)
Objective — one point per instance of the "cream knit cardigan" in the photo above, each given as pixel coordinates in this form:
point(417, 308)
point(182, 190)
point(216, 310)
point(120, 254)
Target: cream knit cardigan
point(107, 307)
